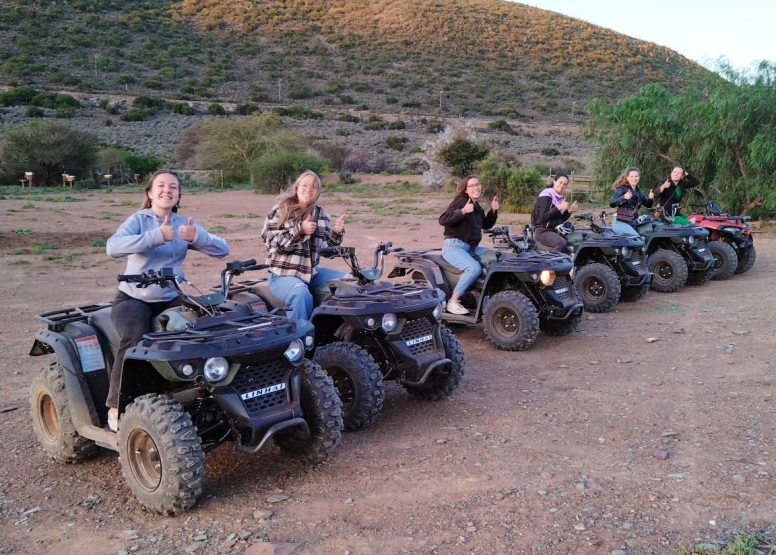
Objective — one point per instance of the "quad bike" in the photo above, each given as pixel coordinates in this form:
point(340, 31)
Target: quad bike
point(214, 370)
point(516, 296)
point(677, 255)
point(368, 331)
point(608, 267)
point(730, 238)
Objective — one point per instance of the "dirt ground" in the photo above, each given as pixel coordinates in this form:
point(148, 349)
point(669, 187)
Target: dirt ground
point(546, 451)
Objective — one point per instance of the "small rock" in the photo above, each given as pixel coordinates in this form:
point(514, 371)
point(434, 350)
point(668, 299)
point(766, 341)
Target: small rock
point(661, 454)
point(627, 526)
point(652, 339)
point(7, 409)
point(200, 538)
point(739, 478)
point(441, 441)
point(542, 492)
point(669, 434)
point(196, 546)
point(740, 332)
point(580, 486)
point(273, 548)
point(471, 528)
point(579, 527)
point(28, 512)
point(479, 478)
point(263, 514)
point(244, 535)
point(563, 366)
point(554, 510)
point(624, 360)
point(277, 498)
point(594, 362)
point(546, 475)
point(349, 501)
point(462, 539)
point(619, 552)
point(678, 475)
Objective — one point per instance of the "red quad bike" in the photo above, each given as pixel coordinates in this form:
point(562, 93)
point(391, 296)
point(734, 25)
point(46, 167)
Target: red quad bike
point(730, 235)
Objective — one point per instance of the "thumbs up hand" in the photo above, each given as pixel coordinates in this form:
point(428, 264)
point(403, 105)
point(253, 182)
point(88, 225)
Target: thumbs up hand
point(494, 205)
point(167, 231)
point(468, 208)
point(339, 225)
point(573, 207)
point(188, 232)
point(308, 225)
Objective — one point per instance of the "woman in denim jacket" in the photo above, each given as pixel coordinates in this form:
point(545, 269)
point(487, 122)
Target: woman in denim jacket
point(464, 221)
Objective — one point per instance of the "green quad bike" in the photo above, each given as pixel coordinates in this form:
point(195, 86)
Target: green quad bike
point(608, 267)
point(368, 332)
point(516, 296)
point(212, 371)
point(676, 254)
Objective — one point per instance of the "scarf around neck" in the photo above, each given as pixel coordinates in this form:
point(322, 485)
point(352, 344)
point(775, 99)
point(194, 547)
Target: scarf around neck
point(557, 199)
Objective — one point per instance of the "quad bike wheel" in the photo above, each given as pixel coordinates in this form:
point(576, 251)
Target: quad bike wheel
point(358, 381)
point(560, 328)
point(598, 287)
point(700, 277)
point(746, 261)
point(669, 271)
point(510, 321)
point(634, 293)
point(323, 413)
point(52, 421)
point(439, 386)
point(161, 454)
point(725, 260)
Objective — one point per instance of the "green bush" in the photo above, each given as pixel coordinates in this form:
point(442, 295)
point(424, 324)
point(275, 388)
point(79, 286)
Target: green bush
point(19, 95)
point(348, 118)
point(34, 112)
point(391, 100)
point(274, 172)
point(374, 124)
point(395, 143)
point(501, 125)
point(550, 151)
point(397, 124)
point(216, 110)
point(462, 155)
point(298, 112)
point(435, 126)
point(183, 108)
point(516, 187)
point(134, 114)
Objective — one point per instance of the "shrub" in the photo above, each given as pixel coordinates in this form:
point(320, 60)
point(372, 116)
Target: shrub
point(397, 124)
point(550, 151)
point(246, 109)
point(274, 172)
point(357, 161)
point(391, 100)
point(346, 99)
point(411, 104)
point(333, 153)
point(501, 125)
point(395, 143)
point(374, 124)
point(125, 80)
point(216, 110)
point(153, 84)
point(434, 126)
point(34, 112)
point(298, 112)
point(341, 132)
point(346, 178)
point(183, 108)
point(348, 118)
point(134, 114)
point(148, 102)
point(18, 95)
point(516, 187)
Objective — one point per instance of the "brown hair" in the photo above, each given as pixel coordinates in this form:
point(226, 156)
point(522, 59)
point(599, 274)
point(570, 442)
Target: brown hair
point(623, 179)
point(288, 201)
point(147, 201)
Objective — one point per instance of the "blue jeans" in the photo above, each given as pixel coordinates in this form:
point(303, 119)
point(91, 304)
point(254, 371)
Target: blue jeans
point(297, 294)
point(461, 255)
point(622, 228)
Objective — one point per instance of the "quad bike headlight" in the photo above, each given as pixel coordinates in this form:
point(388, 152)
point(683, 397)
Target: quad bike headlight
point(732, 230)
point(691, 240)
point(437, 314)
point(216, 369)
point(390, 321)
point(308, 341)
point(187, 370)
point(295, 351)
point(626, 252)
point(547, 277)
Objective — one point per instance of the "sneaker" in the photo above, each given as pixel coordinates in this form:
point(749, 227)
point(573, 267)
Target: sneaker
point(455, 307)
point(113, 419)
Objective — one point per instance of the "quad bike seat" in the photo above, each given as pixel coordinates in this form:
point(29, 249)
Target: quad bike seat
point(262, 290)
point(101, 320)
point(436, 258)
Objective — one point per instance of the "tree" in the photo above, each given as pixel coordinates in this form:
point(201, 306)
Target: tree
point(234, 145)
point(453, 153)
point(48, 150)
point(724, 131)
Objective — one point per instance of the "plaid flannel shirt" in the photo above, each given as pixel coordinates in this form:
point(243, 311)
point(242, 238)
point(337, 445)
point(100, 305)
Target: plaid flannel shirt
point(294, 254)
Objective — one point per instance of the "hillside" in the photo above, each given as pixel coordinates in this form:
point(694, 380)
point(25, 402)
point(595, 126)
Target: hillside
point(439, 57)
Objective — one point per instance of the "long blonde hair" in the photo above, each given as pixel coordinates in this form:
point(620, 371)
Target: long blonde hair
point(623, 179)
point(288, 201)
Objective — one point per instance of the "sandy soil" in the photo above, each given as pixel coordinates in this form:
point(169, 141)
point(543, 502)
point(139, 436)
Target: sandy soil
point(546, 451)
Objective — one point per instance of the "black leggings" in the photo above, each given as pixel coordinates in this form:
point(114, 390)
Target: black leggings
point(132, 319)
point(550, 239)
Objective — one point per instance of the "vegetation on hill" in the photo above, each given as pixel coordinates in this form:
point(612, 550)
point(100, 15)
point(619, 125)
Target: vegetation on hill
point(487, 57)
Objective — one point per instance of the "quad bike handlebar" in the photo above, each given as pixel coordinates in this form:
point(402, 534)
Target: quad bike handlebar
point(597, 227)
point(363, 275)
point(205, 304)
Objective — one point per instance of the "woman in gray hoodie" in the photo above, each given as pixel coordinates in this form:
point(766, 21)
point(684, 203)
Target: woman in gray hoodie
point(155, 237)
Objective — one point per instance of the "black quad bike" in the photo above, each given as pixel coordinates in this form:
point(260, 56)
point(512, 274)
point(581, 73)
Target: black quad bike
point(368, 331)
point(214, 370)
point(676, 254)
point(515, 297)
point(608, 267)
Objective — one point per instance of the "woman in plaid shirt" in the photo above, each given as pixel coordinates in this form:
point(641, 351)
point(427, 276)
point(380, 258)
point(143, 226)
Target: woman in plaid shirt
point(294, 232)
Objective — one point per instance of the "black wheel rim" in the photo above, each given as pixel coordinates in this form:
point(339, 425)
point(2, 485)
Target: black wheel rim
point(594, 289)
point(718, 262)
point(344, 385)
point(506, 322)
point(144, 460)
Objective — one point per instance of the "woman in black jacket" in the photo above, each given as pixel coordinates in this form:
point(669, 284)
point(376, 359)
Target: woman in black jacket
point(550, 210)
point(464, 221)
point(627, 199)
point(671, 190)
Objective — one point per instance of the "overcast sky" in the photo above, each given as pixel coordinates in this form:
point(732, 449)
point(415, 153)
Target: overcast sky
point(741, 31)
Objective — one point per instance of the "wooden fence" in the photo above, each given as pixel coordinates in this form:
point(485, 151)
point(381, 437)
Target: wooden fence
point(580, 186)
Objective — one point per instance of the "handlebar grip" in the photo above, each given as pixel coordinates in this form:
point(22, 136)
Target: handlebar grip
point(253, 267)
point(397, 249)
point(328, 252)
point(131, 278)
